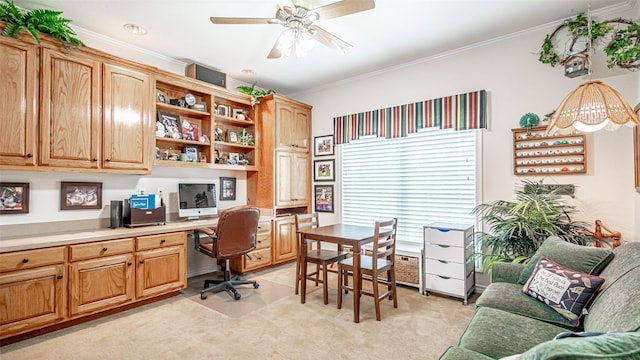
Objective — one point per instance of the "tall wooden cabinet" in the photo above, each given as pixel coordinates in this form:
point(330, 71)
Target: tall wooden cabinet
point(283, 183)
point(19, 88)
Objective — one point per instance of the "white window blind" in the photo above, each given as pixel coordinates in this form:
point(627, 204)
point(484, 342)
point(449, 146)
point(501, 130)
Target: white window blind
point(425, 177)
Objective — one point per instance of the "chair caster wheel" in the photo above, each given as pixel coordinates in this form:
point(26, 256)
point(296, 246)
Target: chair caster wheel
point(256, 285)
point(236, 296)
point(203, 296)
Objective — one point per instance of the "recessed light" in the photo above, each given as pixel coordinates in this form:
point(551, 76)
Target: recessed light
point(135, 29)
point(248, 72)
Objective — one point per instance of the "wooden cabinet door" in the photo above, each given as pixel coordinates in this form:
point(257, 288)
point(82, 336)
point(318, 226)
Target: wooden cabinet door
point(284, 239)
point(99, 284)
point(70, 116)
point(18, 103)
point(127, 135)
point(160, 271)
point(292, 176)
point(32, 298)
point(292, 127)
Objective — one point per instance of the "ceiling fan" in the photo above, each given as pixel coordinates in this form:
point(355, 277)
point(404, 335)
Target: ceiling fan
point(299, 23)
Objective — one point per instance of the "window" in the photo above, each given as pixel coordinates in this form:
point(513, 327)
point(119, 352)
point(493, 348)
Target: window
point(428, 176)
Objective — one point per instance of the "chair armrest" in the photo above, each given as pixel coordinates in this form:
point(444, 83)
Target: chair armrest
point(506, 272)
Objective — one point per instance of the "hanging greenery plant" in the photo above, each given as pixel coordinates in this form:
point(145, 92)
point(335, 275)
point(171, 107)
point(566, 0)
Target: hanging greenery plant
point(255, 93)
point(623, 49)
point(36, 21)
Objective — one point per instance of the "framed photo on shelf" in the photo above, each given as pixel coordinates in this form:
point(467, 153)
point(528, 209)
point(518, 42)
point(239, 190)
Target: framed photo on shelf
point(14, 198)
point(233, 158)
point(80, 195)
point(324, 170)
point(323, 145)
point(191, 153)
point(323, 195)
point(227, 188)
point(171, 123)
point(232, 137)
point(189, 129)
point(223, 110)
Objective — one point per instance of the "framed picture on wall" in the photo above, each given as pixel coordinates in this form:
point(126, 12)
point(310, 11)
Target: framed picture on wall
point(323, 170)
point(323, 195)
point(227, 188)
point(80, 195)
point(323, 145)
point(14, 198)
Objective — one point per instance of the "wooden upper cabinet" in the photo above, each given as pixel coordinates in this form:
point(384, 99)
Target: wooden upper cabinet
point(70, 110)
point(293, 127)
point(18, 110)
point(292, 174)
point(126, 122)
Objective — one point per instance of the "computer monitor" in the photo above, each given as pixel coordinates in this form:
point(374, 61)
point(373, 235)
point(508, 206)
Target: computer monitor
point(196, 199)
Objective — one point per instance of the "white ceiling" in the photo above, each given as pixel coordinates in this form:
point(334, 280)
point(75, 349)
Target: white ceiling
point(394, 32)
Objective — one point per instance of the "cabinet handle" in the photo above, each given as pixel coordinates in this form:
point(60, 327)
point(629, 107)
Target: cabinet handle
point(104, 249)
point(95, 159)
point(29, 155)
point(129, 263)
point(25, 260)
point(163, 241)
point(443, 246)
point(444, 277)
point(59, 277)
point(107, 160)
point(444, 262)
point(141, 261)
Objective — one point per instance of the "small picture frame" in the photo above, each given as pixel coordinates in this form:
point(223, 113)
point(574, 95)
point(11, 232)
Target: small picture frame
point(232, 137)
point(239, 114)
point(189, 129)
point(199, 106)
point(223, 110)
point(324, 170)
point(80, 195)
point(233, 158)
point(227, 188)
point(323, 145)
point(323, 195)
point(191, 153)
point(162, 98)
point(14, 198)
point(171, 123)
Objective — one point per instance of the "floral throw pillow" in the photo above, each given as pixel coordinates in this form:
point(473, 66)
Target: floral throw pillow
point(565, 290)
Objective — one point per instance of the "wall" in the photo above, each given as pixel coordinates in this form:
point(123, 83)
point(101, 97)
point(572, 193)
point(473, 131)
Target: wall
point(516, 83)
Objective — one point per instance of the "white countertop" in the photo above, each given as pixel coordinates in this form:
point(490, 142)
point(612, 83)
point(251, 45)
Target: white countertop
point(35, 242)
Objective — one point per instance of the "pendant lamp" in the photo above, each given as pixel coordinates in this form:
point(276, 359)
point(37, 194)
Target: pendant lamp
point(592, 106)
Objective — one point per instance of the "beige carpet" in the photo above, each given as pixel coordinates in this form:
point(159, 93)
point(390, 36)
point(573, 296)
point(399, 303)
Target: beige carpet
point(422, 327)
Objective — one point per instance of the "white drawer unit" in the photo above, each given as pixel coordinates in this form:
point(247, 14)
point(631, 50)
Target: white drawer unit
point(448, 260)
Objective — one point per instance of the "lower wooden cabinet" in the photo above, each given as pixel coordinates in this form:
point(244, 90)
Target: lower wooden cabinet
point(33, 290)
point(258, 258)
point(284, 239)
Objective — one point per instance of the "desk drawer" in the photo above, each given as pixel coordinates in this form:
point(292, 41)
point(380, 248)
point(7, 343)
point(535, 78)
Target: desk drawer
point(259, 258)
point(444, 252)
point(446, 285)
point(100, 249)
point(263, 241)
point(160, 241)
point(31, 258)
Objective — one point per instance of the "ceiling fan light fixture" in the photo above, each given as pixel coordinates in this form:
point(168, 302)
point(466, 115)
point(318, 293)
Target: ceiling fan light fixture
point(135, 29)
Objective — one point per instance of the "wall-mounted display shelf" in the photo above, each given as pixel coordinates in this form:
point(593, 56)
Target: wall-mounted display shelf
point(537, 152)
point(199, 126)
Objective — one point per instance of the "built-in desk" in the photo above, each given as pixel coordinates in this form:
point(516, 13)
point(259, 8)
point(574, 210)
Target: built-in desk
point(49, 281)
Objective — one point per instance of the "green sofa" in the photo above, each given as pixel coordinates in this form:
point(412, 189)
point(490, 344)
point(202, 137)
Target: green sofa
point(510, 324)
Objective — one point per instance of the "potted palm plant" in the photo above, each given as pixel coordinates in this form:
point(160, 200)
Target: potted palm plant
point(517, 228)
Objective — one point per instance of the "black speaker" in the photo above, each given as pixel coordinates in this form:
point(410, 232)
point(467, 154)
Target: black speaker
point(116, 214)
point(205, 74)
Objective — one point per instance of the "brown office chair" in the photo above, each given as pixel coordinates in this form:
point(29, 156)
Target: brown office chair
point(321, 257)
point(383, 252)
point(235, 236)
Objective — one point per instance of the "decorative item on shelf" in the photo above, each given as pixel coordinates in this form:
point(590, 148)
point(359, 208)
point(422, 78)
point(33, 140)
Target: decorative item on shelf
point(245, 138)
point(243, 160)
point(190, 100)
point(547, 117)
point(200, 106)
point(158, 154)
point(217, 156)
point(161, 130)
point(189, 130)
point(171, 123)
point(238, 114)
point(191, 153)
point(593, 106)
point(162, 97)
point(203, 139)
point(232, 136)
point(219, 135)
point(233, 159)
point(529, 120)
point(223, 110)
point(255, 93)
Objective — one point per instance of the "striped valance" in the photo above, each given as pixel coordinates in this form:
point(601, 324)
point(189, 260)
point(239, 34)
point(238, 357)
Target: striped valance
point(460, 112)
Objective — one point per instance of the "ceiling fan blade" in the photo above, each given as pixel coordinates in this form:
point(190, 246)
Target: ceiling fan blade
point(229, 20)
point(275, 51)
point(342, 8)
point(327, 39)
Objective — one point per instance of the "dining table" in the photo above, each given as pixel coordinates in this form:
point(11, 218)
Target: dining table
point(354, 236)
